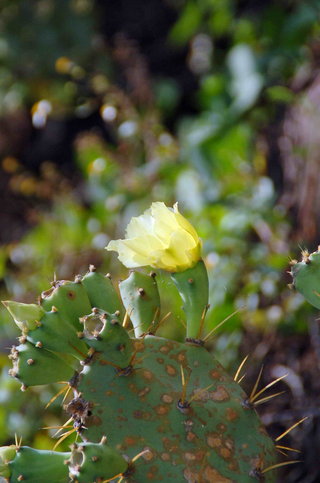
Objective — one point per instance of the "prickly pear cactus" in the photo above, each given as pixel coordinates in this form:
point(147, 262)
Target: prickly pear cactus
point(306, 276)
point(146, 408)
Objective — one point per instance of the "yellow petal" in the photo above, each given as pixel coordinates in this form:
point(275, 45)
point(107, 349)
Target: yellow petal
point(139, 225)
point(136, 252)
point(184, 223)
point(160, 237)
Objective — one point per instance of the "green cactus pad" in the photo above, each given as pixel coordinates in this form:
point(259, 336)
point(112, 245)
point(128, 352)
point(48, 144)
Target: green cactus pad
point(54, 333)
point(35, 366)
point(92, 462)
point(193, 286)
point(7, 454)
point(25, 316)
point(109, 338)
point(38, 466)
point(101, 291)
point(205, 433)
point(140, 296)
point(306, 277)
point(70, 298)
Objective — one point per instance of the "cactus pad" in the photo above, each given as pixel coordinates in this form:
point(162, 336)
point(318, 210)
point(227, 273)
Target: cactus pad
point(306, 277)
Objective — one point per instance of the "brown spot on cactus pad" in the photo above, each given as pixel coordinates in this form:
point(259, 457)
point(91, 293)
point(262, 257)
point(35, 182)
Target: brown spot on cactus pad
point(212, 475)
point(165, 456)
point(167, 398)
point(162, 410)
point(191, 436)
point(231, 414)
point(221, 394)
point(171, 370)
point(164, 349)
point(130, 441)
point(147, 375)
point(143, 392)
point(214, 374)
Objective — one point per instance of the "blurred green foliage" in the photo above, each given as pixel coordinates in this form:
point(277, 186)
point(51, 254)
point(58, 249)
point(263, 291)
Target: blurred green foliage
point(244, 57)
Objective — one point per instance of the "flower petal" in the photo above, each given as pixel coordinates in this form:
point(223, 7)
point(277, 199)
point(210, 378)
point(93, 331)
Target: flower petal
point(160, 237)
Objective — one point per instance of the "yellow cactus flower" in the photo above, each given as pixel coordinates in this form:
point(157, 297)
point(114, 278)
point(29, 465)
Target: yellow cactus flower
point(162, 238)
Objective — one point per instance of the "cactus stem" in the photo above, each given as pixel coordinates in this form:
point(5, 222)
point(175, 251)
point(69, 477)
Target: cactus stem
point(237, 374)
point(282, 435)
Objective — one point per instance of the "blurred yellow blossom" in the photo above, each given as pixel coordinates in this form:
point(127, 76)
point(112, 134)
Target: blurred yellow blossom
point(162, 238)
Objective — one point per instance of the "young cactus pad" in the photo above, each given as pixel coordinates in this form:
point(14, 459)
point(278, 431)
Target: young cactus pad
point(146, 408)
point(306, 277)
